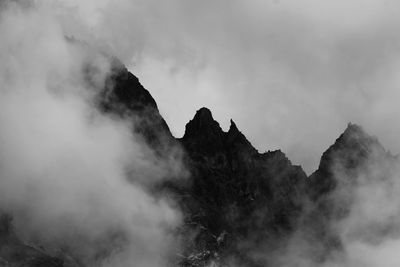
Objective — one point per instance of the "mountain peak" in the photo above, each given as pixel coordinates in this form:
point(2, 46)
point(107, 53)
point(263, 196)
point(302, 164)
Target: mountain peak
point(203, 115)
point(236, 138)
point(233, 127)
point(203, 132)
point(125, 96)
point(354, 141)
point(354, 130)
point(351, 150)
point(202, 124)
point(354, 138)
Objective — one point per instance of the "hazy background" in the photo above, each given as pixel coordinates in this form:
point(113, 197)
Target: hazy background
point(292, 74)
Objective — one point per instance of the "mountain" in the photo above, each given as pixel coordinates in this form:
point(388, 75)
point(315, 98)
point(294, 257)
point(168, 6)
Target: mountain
point(232, 194)
point(124, 96)
point(356, 158)
point(350, 151)
point(232, 202)
point(237, 201)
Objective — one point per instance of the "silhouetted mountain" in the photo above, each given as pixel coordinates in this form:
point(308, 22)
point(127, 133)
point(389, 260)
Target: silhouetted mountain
point(232, 201)
point(349, 152)
point(236, 198)
point(126, 97)
point(354, 156)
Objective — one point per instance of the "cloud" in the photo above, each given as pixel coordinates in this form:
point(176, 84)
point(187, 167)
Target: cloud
point(291, 74)
point(362, 213)
point(370, 233)
point(63, 164)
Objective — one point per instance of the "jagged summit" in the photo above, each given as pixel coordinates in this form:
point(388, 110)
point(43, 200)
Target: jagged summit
point(203, 133)
point(237, 140)
point(125, 96)
point(354, 128)
point(351, 150)
point(354, 159)
point(355, 138)
point(355, 131)
point(203, 126)
point(236, 199)
point(204, 114)
point(234, 187)
point(355, 143)
point(233, 127)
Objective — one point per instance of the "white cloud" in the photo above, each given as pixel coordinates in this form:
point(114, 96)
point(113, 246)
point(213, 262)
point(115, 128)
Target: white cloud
point(63, 164)
point(291, 74)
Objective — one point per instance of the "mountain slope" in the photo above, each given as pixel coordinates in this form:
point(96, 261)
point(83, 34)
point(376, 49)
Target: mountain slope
point(356, 159)
point(350, 151)
point(123, 95)
point(238, 203)
point(238, 197)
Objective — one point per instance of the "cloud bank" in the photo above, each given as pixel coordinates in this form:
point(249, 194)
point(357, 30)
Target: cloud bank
point(72, 177)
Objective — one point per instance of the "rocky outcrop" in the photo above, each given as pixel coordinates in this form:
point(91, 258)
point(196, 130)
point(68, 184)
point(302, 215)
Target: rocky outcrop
point(236, 198)
point(126, 97)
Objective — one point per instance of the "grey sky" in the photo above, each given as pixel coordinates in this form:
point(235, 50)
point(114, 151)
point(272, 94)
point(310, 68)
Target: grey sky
point(291, 74)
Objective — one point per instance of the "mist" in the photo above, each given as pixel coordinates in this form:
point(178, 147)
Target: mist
point(74, 179)
point(292, 75)
point(370, 233)
point(361, 216)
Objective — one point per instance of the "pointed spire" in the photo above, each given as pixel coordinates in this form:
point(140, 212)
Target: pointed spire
point(354, 129)
point(233, 128)
point(355, 137)
point(351, 150)
point(237, 138)
point(203, 115)
point(202, 124)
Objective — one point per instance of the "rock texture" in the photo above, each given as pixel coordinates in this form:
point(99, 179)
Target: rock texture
point(238, 197)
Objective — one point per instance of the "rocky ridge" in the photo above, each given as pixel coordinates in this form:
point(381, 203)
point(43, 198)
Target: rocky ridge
point(236, 199)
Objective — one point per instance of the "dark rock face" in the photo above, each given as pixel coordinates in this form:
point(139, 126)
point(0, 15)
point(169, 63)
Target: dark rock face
point(237, 200)
point(126, 97)
point(233, 202)
point(13, 253)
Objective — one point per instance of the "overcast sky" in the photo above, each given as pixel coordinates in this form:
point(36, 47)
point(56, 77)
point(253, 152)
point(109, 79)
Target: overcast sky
point(291, 74)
